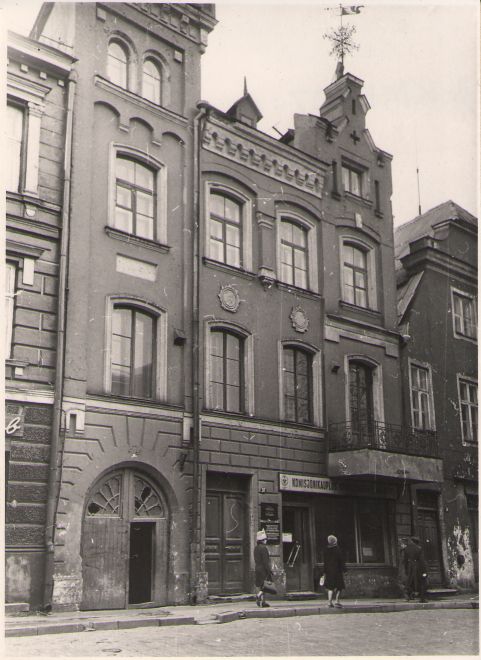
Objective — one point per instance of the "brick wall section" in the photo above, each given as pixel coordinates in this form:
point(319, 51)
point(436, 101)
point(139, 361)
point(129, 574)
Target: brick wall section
point(28, 475)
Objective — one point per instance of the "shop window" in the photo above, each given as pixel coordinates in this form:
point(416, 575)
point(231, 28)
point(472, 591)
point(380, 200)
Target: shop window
point(117, 64)
point(297, 384)
point(10, 284)
point(14, 129)
point(468, 407)
point(152, 81)
point(422, 403)
point(464, 315)
point(294, 254)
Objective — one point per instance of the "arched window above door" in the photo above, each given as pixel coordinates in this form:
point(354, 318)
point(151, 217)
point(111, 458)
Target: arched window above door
point(105, 500)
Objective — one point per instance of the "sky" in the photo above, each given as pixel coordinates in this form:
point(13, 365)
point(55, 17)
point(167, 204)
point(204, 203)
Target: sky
point(420, 65)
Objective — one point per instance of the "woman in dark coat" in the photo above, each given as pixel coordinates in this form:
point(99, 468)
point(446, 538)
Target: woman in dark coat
point(334, 569)
point(263, 569)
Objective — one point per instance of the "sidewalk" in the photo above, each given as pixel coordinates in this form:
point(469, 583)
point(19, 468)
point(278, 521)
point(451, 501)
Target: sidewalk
point(62, 622)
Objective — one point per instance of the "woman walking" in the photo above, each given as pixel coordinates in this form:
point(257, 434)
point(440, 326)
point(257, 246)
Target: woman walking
point(263, 569)
point(334, 569)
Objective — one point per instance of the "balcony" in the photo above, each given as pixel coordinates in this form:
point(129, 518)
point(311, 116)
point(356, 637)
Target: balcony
point(383, 450)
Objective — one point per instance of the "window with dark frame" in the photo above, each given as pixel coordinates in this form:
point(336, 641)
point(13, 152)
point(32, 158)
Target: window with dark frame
point(225, 229)
point(421, 397)
point(361, 403)
point(352, 180)
point(468, 402)
point(297, 385)
point(294, 254)
point(151, 81)
point(377, 196)
point(226, 371)
point(465, 315)
point(133, 352)
point(135, 198)
point(355, 275)
point(117, 64)
point(10, 285)
point(15, 131)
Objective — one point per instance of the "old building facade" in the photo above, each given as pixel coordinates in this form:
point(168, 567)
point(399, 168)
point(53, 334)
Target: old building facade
point(38, 92)
point(436, 257)
point(231, 350)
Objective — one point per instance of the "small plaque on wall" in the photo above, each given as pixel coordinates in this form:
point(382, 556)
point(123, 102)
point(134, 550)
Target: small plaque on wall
point(269, 520)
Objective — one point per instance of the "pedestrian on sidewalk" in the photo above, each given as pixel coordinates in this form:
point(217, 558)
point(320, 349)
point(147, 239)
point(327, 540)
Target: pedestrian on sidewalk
point(334, 569)
point(416, 570)
point(263, 569)
point(401, 573)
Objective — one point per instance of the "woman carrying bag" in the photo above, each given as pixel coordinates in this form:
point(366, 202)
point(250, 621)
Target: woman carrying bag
point(263, 570)
point(334, 569)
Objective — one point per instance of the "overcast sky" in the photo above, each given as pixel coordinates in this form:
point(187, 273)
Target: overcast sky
point(419, 61)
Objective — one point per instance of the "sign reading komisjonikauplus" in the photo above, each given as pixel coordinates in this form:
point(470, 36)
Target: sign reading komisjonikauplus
point(303, 483)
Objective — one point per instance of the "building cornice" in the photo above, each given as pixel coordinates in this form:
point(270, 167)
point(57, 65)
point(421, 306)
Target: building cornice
point(431, 257)
point(20, 47)
point(257, 153)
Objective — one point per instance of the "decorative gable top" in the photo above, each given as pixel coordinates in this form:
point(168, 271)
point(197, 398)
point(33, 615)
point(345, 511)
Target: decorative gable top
point(245, 110)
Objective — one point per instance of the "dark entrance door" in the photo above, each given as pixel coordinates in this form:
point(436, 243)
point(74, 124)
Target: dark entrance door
point(225, 542)
point(297, 551)
point(140, 562)
point(428, 531)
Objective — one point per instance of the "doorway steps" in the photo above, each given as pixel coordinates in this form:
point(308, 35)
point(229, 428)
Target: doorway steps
point(16, 608)
point(231, 598)
point(440, 592)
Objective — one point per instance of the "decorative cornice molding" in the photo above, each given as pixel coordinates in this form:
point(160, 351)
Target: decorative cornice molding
point(262, 158)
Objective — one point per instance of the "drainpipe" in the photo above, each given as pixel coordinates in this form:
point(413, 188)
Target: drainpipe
point(196, 422)
point(56, 447)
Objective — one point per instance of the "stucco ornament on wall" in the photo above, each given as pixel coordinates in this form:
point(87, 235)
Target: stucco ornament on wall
point(299, 319)
point(229, 298)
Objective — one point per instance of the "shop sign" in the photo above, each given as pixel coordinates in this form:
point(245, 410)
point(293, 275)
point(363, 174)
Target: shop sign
point(14, 420)
point(269, 521)
point(306, 484)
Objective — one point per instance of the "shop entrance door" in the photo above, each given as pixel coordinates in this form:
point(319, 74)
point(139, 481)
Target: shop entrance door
point(297, 550)
point(428, 531)
point(225, 542)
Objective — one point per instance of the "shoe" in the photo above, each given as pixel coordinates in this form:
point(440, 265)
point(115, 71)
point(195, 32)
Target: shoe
point(265, 605)
point(337, 605)
point(330, 604)
point(258, 601)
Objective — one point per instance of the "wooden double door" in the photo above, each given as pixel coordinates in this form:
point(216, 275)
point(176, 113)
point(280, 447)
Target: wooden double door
point(124, 548)
point(226, 540)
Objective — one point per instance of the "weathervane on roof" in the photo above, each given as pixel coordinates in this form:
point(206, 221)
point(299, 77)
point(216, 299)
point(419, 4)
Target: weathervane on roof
point(341, 37)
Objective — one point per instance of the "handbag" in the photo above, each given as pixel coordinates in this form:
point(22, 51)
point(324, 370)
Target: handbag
point(322, 579)
point(268, 587)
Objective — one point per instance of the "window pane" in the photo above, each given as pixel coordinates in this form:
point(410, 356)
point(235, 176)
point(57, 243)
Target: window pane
point(10, 271)
point(14, 133)
point(144, 177)
point(290, 409)
point(289, 384)
point(299, 235)
point(348, 253)
point(123, 220)
point(120, 380)
point(216, 250)
point(286, 231)
point(124, 197)
point(217, 395)
point(287, 255)
point(216, 229)
point(142, 376)
point(232, 372)
point(233, 399)
point(145, 204)
point(289, 359)
point(216, 369)
point(151, 82)
point(300, 259)
point(371, 523)
point(231, 210)
point(217, 204)
point(117, 64)
point(349, 294)
point(125, 170)
point(300, 278)
point(232, 235)
point(359, 258)
point(233, 256)
point(361, 298)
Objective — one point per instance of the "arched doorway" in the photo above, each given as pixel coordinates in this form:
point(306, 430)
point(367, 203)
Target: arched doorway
point(124, 542)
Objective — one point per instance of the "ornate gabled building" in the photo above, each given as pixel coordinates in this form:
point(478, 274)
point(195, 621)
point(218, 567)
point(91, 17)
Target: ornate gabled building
point(436, 260)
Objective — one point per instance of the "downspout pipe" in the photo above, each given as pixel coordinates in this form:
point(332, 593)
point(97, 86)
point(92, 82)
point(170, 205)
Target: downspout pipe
point(57, 440)
point(196, 422)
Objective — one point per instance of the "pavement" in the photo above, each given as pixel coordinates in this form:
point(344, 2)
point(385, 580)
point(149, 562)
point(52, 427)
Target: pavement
point(37, 623)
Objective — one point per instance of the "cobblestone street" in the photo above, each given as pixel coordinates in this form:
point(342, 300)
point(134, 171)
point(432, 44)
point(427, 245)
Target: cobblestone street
point(435, 632)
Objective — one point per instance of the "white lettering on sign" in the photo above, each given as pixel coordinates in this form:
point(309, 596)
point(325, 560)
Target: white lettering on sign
point(13, 425)
point(303, 483)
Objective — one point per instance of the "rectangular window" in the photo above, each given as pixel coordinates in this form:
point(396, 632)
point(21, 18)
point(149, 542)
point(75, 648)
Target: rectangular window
point(352, 180)
point(135, 198)
point(226, 372)
point(294, 254)
point(468, 404)
point(297, 384)
point(225, 230)
point(421, 397)
point(377, 197)
point(13, 158)
point(465, 323)
point(10, 280)
point(355, 275)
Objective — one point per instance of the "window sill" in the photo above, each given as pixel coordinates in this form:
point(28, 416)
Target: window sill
point(11, 362)
point(218, 265)
point(298, 425)
point(231, 415)
point(136, 240)
point(473, 340)
point(298, 290)
point(134, 401)
point(357, 198)
point(356, 308)
point(335, 195)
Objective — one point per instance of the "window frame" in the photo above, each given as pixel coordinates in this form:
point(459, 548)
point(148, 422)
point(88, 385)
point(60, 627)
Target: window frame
point(10, 307)
point(304, 249)
point(134, 191)
point(377, 385)
point(468, 380)
point(160, 70)
point(246, 212)
point(23, 109)
point(159, 358)
point(371, 271)
point(316, 406)
point(247, 366)
point(118, 150)
point(118, 41)
point(457, 293)
point(285, 214)
point(424, 366)
point(360, 172)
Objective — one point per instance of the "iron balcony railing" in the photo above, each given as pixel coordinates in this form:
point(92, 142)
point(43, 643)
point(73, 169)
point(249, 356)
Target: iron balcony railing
point(345, 436)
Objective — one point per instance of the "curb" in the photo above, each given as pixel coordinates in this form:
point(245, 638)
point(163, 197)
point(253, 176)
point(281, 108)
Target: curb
point(227, 617)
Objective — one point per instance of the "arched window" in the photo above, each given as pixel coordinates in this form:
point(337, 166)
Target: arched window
point(133, 352)
point(151, 82)
point(226, 371)
point(117, 64)
point(225, 229)
point(297, 385)
point(135, 198)
point(294, 254)
point(355, 275)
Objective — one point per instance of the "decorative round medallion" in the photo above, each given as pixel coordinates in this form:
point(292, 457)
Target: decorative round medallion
point(299, 319)
point(229, 298)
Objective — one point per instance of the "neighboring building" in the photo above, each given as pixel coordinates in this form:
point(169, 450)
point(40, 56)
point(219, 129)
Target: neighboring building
point(437, 313)
point(37, 138)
